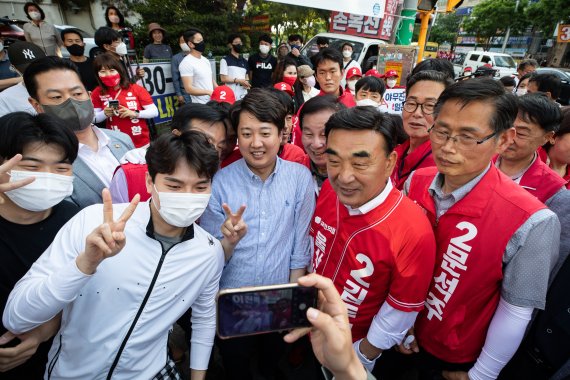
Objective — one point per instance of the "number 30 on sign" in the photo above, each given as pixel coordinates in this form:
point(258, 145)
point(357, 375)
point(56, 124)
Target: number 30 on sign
point(564, 33)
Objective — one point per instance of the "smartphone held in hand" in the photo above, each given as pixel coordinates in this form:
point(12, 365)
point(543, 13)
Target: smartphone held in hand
point(263, 309)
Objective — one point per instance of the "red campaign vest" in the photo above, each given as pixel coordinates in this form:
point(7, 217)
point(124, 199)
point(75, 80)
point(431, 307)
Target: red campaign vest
point(471, 238)
point(359, 253)
point(421, 157)
point(541, 181)
point(544, 157)
point(136, 180)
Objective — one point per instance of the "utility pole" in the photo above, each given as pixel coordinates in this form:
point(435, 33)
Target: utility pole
point(508, 34)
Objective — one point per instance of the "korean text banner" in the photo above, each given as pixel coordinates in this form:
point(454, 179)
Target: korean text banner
point(374, 8)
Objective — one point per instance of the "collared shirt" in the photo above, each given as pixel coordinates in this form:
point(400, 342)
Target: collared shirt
point(373, 203)
point(278, 216)
point(525, 274)
point(234, 67)
point(517, 177)
point(102, 161)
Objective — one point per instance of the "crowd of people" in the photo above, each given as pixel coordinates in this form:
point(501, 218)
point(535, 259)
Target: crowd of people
point(438, 238)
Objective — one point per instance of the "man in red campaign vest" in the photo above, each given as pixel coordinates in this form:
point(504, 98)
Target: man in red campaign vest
point(496, 243)
point(374, 243)
point(329, 73)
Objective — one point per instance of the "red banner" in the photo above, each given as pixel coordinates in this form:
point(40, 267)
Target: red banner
point(365, 26)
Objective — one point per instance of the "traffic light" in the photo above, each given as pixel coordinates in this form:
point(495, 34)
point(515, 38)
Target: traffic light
point(426, 5)
point(452, 5)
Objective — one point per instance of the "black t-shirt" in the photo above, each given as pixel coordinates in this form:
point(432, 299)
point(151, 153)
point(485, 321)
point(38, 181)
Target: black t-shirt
point(20, 247)
point(261, 70)
point(87, 74)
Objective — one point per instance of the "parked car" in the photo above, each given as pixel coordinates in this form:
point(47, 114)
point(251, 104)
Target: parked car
point(364, 50)
point(564, 75)
point(87, 39)
point(504, 64)
point(11, 31)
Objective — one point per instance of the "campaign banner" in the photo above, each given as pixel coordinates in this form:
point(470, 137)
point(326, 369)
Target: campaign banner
point(373, 8)
point(365, 26)
point(158, 82)
point(394, 100)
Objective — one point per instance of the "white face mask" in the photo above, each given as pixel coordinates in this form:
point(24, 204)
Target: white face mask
point(114, 19)
point(310, 81)
point(121, 49)
point(35, 15)
point(367, 102)
point(521, 91)
point(181, 209)
point(351, 84)
point(347, 53)
point(264, 49)
point(185, 47)
point(46, 191)
point(391, 82)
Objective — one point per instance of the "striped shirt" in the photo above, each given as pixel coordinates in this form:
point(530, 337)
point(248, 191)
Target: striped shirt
point(278, 215)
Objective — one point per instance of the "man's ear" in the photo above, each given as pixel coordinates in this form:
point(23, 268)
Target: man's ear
point(37, 106)
point(505, 140)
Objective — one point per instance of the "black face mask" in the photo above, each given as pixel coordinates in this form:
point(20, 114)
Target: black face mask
point(237, 48)
point(201, 46)
point(76, 50)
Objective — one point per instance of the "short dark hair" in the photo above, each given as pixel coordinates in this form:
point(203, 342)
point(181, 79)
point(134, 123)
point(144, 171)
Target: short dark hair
point(232, 37)
point(119, 14)
point(190, 33)
point(526, 63)
point(435, 64)
point(524, 77)
point(429, 75)
point(286, 100)
point(295, 37)
point(508, 81)
point(322, 40)
point(30, 3)
point(105, 36)
point(539, 109)
point(485, 90)
point(263, 104)
point(71, 31)
point(19, 129)
point(329, 54)
point(347, 44)
point(168, 149)
point(547, 83)
point(363, 118)
point(564, 127)
point(401, 135)
point(266, 38)
point(43, 65)
point(371, 84)
point(110, 62)
point(182, 118)
point(318, 104)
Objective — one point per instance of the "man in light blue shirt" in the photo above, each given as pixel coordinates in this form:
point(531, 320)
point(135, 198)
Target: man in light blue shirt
point(279, 196)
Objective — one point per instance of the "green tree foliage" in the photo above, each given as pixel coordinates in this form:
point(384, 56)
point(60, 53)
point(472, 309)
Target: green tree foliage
point(446, 28)
point(545, 14)
point(492, 18)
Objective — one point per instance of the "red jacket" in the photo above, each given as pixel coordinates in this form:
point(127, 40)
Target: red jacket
point(421, 157)
point(385, 255)
point(345, 98)
point(544, 157)
point(135, 175)
point(471, 239)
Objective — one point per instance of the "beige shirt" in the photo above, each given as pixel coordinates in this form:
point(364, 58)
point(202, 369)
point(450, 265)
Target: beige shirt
point(45, 36)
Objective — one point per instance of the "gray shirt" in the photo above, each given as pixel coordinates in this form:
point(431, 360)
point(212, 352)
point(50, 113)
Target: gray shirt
point(157, 51)
point(531, 252)
point(45, 36)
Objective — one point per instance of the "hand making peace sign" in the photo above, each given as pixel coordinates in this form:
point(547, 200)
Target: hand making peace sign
point(5, 184)
point(109, 238)
point(234, 228)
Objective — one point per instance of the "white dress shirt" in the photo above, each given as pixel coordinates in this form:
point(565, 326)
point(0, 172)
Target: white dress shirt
point(102, 162)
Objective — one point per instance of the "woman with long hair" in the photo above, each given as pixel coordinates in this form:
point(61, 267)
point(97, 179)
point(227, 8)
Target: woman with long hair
point(124, 105)
point(115, 19)
point(40, 32)
point(286, 71)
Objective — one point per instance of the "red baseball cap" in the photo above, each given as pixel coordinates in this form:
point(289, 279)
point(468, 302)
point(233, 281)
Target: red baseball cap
point(223, 94)
point(353, 72)
point(391, 73)
point(282, 86)
point(373, 73)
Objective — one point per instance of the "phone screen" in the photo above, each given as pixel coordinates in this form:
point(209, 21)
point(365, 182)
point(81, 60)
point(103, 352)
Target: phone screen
point(114, 104)
point(256, 312)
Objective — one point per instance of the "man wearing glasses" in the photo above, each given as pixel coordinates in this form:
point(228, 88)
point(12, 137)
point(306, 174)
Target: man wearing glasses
point(496, 244)
point(422, 91)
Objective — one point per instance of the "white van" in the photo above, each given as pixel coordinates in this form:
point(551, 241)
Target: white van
point(364, 50)
point(503, 63)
